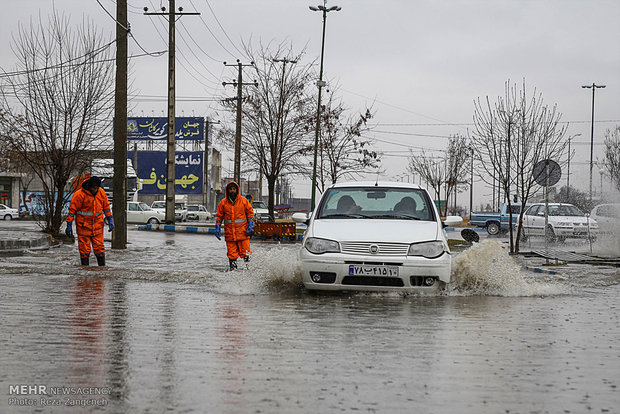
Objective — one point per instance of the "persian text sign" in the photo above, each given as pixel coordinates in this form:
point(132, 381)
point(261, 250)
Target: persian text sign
point(187, 170)
point(156, 129)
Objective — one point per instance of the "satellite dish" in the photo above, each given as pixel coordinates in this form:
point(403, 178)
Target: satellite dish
point(544, 167)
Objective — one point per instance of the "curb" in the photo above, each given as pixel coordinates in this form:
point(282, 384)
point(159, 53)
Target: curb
point(461, 228)
point(541, 270)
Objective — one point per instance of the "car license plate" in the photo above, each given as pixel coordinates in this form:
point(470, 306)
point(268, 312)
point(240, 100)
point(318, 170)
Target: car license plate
point(364, 270)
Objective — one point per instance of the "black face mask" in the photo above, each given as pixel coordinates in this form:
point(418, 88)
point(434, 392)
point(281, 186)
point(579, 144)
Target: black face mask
point(231, 196)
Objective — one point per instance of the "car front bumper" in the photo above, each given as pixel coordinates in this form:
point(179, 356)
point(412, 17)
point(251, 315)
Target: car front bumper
point(330, 271)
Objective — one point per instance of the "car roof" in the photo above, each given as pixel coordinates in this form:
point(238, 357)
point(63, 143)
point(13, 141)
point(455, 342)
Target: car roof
point(366, 184)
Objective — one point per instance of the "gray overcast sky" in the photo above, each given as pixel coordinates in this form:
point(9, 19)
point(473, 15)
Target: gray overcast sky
point(420, 62)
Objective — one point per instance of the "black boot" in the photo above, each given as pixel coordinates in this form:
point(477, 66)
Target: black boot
point(84, 261)
point(101, 260)
point(233, 264)
point(246, 259)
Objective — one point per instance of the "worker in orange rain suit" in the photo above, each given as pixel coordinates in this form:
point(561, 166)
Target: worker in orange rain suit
point(89, 206)
point(236, 213)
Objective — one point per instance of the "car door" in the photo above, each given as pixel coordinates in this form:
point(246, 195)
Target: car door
point(529, 219)
point(133, 213)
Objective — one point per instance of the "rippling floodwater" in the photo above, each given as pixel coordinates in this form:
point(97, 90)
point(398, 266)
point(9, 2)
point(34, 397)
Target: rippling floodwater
point(165, 328)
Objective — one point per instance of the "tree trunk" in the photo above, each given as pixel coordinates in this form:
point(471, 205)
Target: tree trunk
point(271, 186)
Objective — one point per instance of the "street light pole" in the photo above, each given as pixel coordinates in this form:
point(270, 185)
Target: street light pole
point(593, 86)
point(320, 84)
point(568, 168)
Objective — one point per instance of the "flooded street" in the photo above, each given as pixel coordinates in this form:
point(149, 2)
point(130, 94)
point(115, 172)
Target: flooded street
point(165, 328)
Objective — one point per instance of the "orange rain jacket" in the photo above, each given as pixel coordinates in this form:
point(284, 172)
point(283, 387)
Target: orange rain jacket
point(235, 216)
point(88, 210)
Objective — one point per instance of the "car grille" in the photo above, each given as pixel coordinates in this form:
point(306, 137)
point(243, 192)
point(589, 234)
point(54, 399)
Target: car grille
point(385, 249)
point(373, 281)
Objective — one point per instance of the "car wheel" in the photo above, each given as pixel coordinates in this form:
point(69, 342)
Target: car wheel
point(493, 228)
point(550, 234)
point(8, 217)
point(153, 220)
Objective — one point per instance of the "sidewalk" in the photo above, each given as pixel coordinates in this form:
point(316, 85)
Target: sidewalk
point(17, 236)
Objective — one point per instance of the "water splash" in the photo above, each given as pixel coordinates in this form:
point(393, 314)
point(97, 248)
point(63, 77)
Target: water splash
point(488, 269)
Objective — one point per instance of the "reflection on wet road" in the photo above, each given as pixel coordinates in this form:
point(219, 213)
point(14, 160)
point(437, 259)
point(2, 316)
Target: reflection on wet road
point(165, 328)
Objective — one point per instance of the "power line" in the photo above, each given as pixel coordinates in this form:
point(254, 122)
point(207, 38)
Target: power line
point(212, 34)
point(219, 24)
point(112, 17)
point(412, 134)
point(198, 45)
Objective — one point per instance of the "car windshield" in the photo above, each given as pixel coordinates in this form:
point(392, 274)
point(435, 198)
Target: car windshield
point(178, 206)
point(145, 206)
point(192, 208)
point(376, 203)
point(259, 204)
point(159, 204)
point(565, 210)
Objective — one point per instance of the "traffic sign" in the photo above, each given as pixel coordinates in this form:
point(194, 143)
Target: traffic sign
point(544, 167)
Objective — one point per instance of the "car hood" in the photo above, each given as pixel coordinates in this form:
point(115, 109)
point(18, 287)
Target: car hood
point(374, 230)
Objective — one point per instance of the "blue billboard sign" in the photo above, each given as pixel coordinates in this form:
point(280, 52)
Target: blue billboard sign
point(151, 172)
point(156, 129)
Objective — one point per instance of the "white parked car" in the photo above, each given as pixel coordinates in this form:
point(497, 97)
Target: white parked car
point(180, 212)
point(375, 236)
point(197, 212)
point(8, 213)
point(608, 217)
point(261, 212)
point(563, 221)
point(138, 212)
point(159, 206)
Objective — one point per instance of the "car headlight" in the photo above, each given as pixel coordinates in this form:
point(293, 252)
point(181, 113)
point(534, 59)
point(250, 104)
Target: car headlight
point(320, 246)
point(564, 224)
point(430, 250)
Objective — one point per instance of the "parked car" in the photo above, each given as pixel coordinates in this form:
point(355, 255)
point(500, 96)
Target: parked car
point(138, 212)
point(197, 212)
point(563, 221)
point(180, 212)
point(8, 213)
point(496, 223)
point(261, 212)
point(375, 236)
point(159, 206)
point(608, 217)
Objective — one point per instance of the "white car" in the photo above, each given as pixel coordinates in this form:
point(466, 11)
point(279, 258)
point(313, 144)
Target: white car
point(608, 217)
point(563, 221)
point(198, 213)
point(138, 212)
point(180, 212)
point(375, 236)
point(159, 206)
point(261, 212)
point(8, 213)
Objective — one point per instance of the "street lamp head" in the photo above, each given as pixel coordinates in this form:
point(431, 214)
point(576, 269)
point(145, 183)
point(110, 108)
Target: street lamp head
point(334, 8)
point(313, 8)
point(587, 86)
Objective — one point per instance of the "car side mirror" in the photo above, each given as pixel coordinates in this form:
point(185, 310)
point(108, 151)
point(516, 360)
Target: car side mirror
point(301, 218)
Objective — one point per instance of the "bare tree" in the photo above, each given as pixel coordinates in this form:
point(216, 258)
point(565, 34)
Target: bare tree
point(274, 115)
point(444, 172)
point(343, 152)
point(510, 137)
point(611, 162)
point(57, 103)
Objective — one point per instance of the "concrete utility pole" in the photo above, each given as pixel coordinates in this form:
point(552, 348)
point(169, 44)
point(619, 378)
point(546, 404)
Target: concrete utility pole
point(239, 83)
point(593, 86)
point(119, 182)
point(171, 144)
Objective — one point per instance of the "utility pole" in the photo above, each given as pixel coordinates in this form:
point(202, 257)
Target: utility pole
point(239, 83)
point(119, 182)
point(593, 86)
point(171, 145)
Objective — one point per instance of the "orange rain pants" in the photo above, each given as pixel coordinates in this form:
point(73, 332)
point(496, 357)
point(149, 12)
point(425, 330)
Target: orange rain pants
point(84, 243)
point(237, 249)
